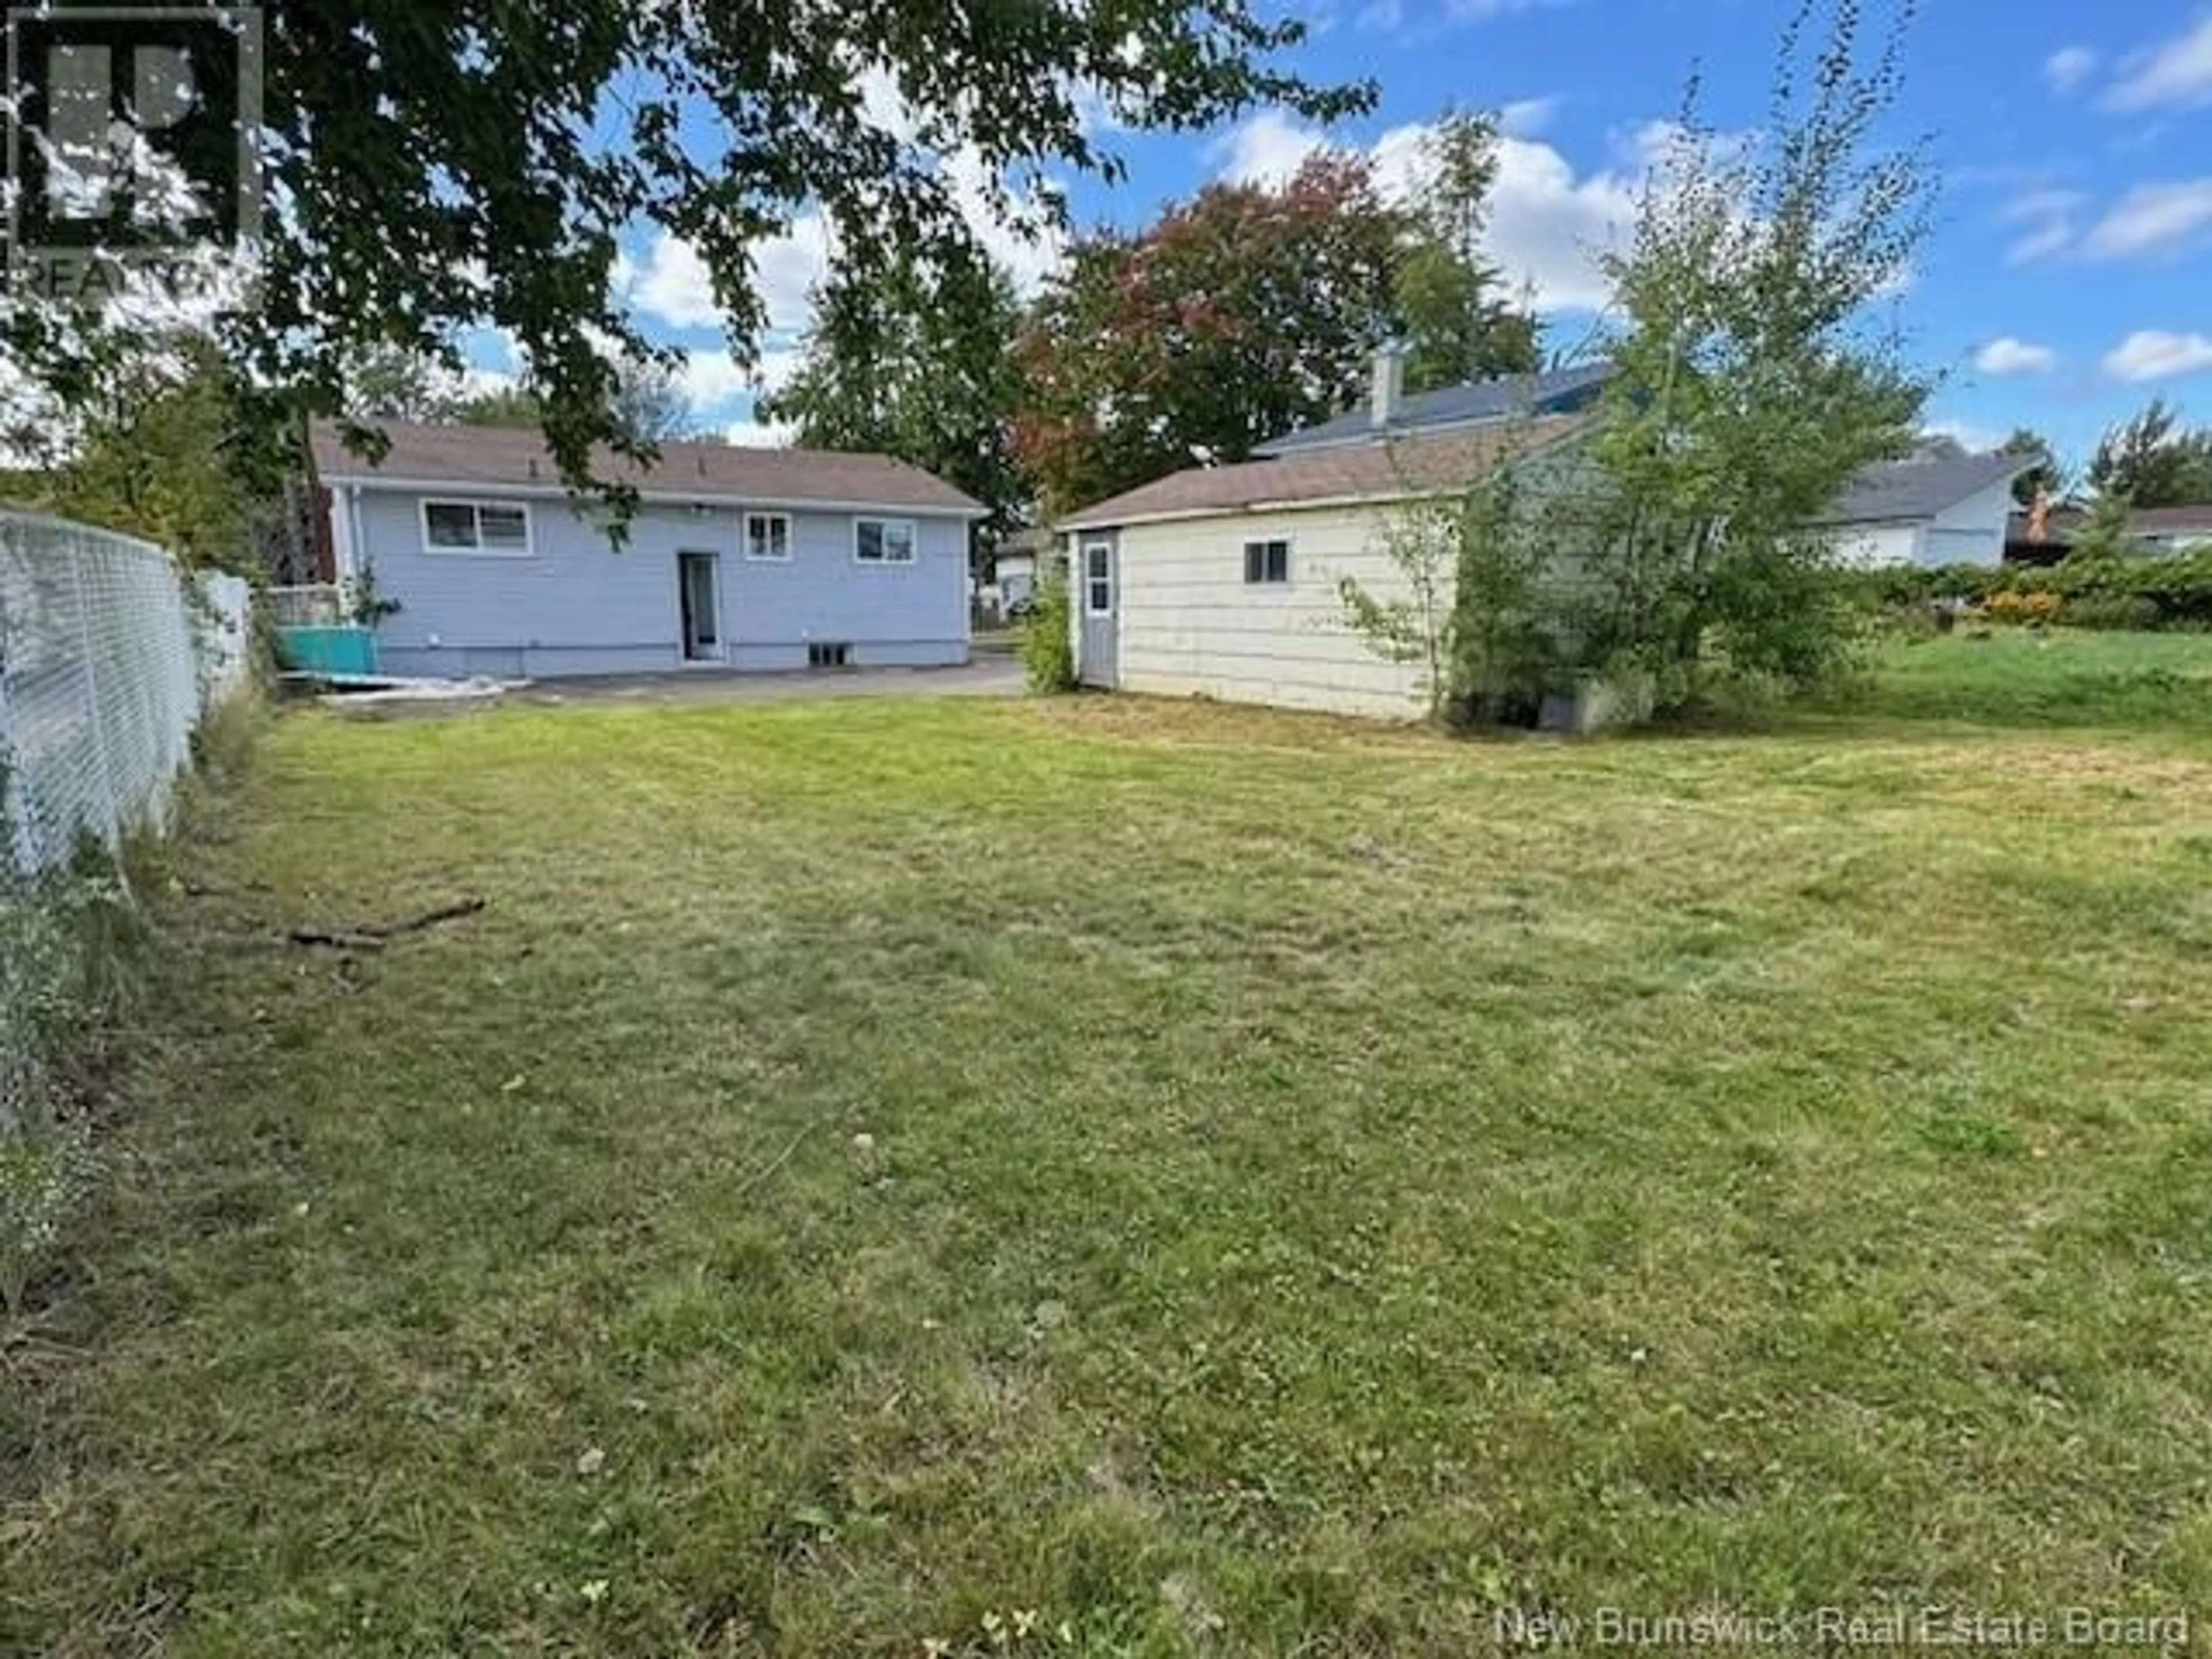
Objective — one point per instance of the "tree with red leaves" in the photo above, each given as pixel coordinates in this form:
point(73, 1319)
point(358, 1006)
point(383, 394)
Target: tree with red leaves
point(1243, 312)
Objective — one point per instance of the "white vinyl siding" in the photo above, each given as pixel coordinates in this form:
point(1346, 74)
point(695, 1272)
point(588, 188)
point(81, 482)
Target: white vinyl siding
point(457, 527)
point(883, 541)
point(1190, 624)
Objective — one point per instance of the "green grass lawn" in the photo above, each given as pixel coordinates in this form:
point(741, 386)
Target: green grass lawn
point(1104, 1176)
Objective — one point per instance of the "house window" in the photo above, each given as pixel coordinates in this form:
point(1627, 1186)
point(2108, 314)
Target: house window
point(819, 655)
point(1267, 561)
point(883, 541)
point(767, 536)
point(476, 527)
point(1098, 579)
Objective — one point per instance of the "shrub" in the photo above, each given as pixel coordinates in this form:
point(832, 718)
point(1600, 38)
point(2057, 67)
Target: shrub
point(1047, 653)
point(2088, 589)
point(2119, 612)
point(2039, 608)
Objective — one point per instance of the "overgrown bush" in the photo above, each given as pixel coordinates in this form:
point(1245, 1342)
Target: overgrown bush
point(2120, 613)
point(1047, 653)
point(2035, 607)
point(60, 991)
point(72, 946)
point(2086, 590)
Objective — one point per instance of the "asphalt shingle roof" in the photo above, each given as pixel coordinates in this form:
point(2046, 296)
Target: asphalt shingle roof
point(1559, 392)
point(1896, 492)
point(2169, 520)
point(1371, 471)
point(517, 459)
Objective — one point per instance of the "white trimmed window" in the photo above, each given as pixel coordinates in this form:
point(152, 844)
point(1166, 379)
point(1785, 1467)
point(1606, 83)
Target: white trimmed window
point(1266, 562)
point(500, 527)
point(1098, 579)
point(767, 536)
point(883, 541)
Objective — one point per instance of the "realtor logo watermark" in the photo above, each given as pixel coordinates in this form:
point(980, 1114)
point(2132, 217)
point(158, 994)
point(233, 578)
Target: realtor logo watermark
point(1832, 1629)
point(132, 144)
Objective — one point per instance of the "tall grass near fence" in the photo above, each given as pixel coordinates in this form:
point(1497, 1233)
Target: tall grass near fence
point(113, 661)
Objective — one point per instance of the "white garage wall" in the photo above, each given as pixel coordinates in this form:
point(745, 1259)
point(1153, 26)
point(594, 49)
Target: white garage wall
point(1191, 626)
point(1972, 531)
point(1879, 546)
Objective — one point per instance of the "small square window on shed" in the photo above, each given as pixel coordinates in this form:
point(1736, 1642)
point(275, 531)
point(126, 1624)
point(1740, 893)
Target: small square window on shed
point(819, 655)
point(1267, 561)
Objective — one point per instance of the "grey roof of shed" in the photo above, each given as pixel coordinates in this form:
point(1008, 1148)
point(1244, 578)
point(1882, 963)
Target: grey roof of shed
point(1425, 464)
point(512, 459)
point(1902, 492)
point(1558, 392)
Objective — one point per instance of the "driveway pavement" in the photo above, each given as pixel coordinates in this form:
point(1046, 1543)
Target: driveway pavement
point(987, 677)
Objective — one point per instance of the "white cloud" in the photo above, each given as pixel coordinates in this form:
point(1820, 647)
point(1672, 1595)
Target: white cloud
point(2176, 74)
point(1390, 16)
point(786, 268)
point(759, 434)
point(712, 378)
point(1013, 226)
point(2151, 219)
point(2067, 68)
point(671, 283)
point(1973, 439)
point(1524, 118)
point(2008, 355)
point(1266, 149)
point(1548, 224)
point(2051, 218)
point(2154, 354)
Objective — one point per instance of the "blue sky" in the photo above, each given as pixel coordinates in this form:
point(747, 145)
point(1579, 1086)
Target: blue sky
point(2069, 277)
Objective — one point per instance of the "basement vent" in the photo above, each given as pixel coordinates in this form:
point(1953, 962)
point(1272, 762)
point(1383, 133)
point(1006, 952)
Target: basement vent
point(828, 656)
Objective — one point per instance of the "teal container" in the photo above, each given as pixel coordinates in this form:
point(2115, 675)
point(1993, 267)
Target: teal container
point(337, 651)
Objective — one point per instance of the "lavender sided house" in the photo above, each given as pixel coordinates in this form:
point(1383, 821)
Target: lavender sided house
point(741, 558)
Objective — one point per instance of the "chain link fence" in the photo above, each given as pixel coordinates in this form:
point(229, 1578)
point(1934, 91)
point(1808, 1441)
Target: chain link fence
point(108, 656)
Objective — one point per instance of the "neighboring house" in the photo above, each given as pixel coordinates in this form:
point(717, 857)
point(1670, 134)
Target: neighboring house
point(1017, 567)
point(1390, 414)
point(743, 558)
point(2172, 529)
point(1931, 510)
point(2153, 530)
point(1227, 582)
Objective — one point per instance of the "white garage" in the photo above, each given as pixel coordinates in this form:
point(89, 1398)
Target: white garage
point(1934, 510)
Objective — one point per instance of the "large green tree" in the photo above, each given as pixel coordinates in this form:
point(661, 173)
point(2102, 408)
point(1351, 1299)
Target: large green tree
point(1243, 313)
point(166, 448)
point(1756, 375)
point(479, 162)
point(1456, 321)
point(1680, 542)
point(2154, 460)
point(917, 361)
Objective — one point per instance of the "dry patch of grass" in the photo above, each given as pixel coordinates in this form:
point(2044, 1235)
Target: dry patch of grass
point(1113, 1178)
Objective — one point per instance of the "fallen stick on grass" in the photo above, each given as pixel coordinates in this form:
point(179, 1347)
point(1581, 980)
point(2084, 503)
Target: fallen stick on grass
point(373, 936)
